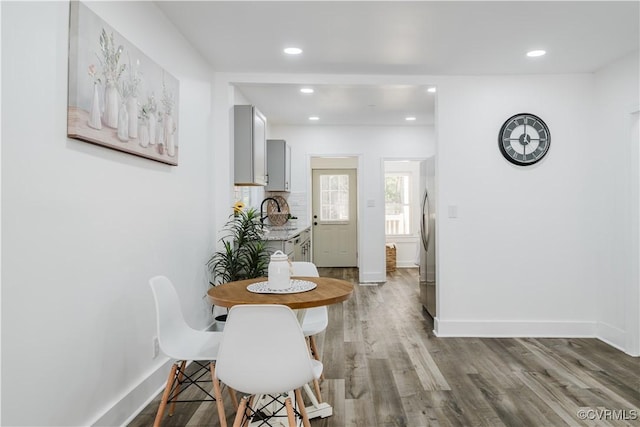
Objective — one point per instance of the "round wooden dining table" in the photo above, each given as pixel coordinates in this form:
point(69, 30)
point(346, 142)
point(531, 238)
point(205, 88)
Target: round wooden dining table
point(328, 291)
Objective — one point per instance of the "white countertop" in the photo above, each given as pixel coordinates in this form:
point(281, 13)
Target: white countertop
point(283, 232)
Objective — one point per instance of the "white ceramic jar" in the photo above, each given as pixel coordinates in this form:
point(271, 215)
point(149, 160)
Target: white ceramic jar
point(279, 271)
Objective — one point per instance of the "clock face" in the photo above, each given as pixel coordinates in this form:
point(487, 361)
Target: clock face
point(524, 139)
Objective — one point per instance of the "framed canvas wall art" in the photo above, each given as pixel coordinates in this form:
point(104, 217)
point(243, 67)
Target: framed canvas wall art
point(118, 97)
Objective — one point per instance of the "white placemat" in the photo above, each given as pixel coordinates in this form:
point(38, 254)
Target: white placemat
point(296, 286)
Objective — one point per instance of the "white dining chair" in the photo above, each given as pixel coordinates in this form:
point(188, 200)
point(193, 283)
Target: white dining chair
point(316, 319)
point(182, 343)
point(263, 352)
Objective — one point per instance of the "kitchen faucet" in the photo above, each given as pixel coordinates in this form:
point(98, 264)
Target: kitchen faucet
point(262, 218)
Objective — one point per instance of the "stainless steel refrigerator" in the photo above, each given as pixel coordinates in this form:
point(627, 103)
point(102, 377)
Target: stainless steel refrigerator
point(428, 242)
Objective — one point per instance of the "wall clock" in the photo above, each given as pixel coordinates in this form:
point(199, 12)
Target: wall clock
point(524, 139)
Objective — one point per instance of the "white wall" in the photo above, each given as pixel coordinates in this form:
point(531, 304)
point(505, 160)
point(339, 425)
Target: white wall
point(371, 145)
point(525, 255)
point(85, 227)
point(617, 92)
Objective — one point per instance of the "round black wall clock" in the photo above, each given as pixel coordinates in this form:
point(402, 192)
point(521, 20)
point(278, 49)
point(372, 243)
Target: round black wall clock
point(524, 139)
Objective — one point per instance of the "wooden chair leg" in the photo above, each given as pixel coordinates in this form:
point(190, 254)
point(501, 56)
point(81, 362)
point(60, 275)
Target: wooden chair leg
point(290, 415)
point(316, 389)
point(237, 422)
point(314, 348)
point(302, 409)
point(165, 395)
point(314, 352)
point(172, 409)
point(251, 400)
point(234, 398)
point(218, 396)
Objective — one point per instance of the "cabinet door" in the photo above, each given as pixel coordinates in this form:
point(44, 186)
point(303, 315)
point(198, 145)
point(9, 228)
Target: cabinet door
point(287, 167)
point(289, 248)
point(259, 148)
point(249, 150)
point(278, 165)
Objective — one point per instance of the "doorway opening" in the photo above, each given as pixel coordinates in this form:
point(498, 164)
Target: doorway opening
point(403, 186)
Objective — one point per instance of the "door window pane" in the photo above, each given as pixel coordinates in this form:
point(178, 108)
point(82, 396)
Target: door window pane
point(334, 198)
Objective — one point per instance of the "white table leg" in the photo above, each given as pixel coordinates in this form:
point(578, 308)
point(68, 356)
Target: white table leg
point(317, 409)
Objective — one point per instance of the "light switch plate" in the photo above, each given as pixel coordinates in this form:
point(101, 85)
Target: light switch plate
point(452, 211)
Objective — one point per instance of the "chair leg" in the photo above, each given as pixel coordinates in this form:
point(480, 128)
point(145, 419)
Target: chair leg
point(290, 415)
point(237, 422)
point(165, 395)
point(314, 352)
point(251, 400)
point(316, 388)
point(172, 409)
point(302, 408)
point(218, 395)
point(234, 398)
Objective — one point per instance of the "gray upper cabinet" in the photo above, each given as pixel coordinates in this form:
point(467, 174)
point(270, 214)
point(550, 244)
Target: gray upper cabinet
point(249, 140)
point(278, 165)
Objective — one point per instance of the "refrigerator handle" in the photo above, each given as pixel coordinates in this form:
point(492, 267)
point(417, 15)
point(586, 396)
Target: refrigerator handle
point(424, 230)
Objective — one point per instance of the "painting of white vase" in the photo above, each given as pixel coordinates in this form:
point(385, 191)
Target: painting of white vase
point(112, 92)
point(132, 109)
point(95, 117)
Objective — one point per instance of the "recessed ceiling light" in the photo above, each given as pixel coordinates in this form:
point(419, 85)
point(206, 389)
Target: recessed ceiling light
point(534, 53)
point(293, 51)
point(410, 118)
point(314, 118)
point(431, 90)
point(306, 90)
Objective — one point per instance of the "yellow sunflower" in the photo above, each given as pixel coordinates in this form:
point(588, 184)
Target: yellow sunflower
point(237, 207)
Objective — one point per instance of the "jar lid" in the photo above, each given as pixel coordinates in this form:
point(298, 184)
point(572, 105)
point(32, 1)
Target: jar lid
point(279, 256)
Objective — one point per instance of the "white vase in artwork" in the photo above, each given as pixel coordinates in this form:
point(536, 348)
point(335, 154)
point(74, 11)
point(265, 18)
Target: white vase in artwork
point(132, 108)
point(152, 128)
point(123, 123)
point(111, 106)
point(143, 133)
point(159, 131)
point(95, 120)
point(169, 130)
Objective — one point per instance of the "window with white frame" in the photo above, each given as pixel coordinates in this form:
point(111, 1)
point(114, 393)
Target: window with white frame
point(399, 204)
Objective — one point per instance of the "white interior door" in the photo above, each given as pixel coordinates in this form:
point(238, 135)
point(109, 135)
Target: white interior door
point(334, 216)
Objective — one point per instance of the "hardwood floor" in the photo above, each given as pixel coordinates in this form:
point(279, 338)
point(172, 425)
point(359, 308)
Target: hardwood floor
point(384, 367)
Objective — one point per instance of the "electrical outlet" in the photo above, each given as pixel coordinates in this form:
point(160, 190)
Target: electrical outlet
point(156, 347)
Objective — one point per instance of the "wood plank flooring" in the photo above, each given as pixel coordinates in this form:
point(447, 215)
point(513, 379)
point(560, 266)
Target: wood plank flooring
point(385, 368)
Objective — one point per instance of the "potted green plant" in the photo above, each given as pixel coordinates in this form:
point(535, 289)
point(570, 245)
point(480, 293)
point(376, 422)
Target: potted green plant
point(244, 254)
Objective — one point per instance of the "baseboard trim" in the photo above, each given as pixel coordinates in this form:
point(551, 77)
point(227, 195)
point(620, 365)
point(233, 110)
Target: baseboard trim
point(514, 329)
point(123, 411)
point(374, 277)
point(406, 264)
point(611, 335)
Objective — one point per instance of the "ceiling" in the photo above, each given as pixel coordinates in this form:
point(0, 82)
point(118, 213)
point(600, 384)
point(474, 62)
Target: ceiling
point(389, 38)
